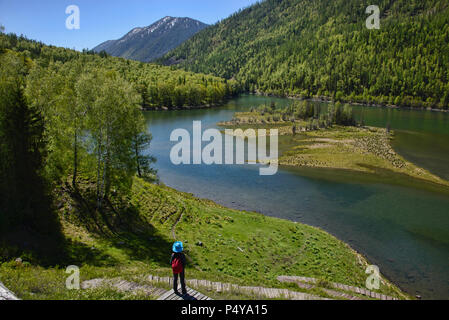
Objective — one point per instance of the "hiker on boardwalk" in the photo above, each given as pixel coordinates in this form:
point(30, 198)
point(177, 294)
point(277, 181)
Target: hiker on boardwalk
point(178, 263)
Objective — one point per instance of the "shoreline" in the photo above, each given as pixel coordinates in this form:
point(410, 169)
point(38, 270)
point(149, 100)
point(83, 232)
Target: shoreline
point(203, 106)
point(206, 106)
point(359, 253)
point(232, 221)
point(323, 99)
point(355, 103)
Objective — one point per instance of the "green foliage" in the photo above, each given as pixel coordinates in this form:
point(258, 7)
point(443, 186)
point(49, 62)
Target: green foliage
point(141, 142)
point(158, 86)
point(243, 248)
point(26, 205)
point(94, 124)
point(70, 114)
point(323, 48)
point(300, 111)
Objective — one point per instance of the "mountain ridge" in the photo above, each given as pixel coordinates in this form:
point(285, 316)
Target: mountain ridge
point(151, 42)
point(323, 48)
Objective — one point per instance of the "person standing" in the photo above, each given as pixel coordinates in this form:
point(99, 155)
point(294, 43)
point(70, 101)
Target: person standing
point(178, 264)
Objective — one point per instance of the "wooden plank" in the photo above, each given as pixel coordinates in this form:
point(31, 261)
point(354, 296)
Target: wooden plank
point(171, 296)
point(285, 293)
point(200, 297)
point(6, 294)
point(191, 298)
point(191, 292)
point(276, 293)
point(165, 295)
point(339, 286)
point(265, 292)
point(175, 297)
point(159, 292)
point(197, 296)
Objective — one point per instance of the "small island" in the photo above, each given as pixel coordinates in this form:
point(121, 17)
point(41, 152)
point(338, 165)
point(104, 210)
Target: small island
point(332, 138)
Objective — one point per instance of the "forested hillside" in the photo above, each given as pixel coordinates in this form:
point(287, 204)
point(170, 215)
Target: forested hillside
point(67, 116)
point(158, 86)
point(323, 48)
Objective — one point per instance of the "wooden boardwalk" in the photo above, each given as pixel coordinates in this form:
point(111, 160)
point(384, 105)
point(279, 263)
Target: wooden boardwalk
point(155, 286)
point(123, 286)
point(191, 295)
point(310, 283)
point(257, 292)
point(5, 294)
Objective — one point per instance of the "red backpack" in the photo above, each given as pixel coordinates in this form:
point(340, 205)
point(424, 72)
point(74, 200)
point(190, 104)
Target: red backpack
point(177, 265)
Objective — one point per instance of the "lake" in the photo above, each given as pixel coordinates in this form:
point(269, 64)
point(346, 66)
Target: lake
point(402, 229)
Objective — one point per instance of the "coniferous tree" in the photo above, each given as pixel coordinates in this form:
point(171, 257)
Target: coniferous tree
point(25, 201)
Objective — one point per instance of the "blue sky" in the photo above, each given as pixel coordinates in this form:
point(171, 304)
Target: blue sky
point(101, 20)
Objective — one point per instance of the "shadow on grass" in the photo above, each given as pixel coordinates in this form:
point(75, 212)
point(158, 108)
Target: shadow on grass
point(38, 248)
point(141, 241)
point(32, 230)
point(118, 229)
point(120, 226)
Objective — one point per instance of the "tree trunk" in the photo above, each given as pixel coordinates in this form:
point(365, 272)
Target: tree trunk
point(75, 160)
point(98, 176)
point(139, 172)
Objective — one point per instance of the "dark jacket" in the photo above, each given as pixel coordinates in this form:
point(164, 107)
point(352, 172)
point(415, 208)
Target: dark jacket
point(180, 256)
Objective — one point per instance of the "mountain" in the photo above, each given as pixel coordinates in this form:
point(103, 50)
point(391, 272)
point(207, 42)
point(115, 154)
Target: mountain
point(323, 48)
point(149, 43)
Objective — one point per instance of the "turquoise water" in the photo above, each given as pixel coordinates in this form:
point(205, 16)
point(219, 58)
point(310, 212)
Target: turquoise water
point(404, 230)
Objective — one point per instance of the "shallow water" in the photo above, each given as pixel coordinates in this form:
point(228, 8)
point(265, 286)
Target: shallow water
point(400, 227)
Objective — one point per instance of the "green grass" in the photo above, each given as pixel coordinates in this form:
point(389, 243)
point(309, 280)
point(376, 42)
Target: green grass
point(238, 247)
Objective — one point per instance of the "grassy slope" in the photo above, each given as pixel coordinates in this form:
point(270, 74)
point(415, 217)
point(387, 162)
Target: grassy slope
point(237, 247)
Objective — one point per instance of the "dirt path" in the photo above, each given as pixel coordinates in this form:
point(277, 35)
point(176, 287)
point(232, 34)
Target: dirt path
point(173, 229)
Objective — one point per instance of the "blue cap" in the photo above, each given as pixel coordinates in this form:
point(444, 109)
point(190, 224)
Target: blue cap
point(178, 247)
